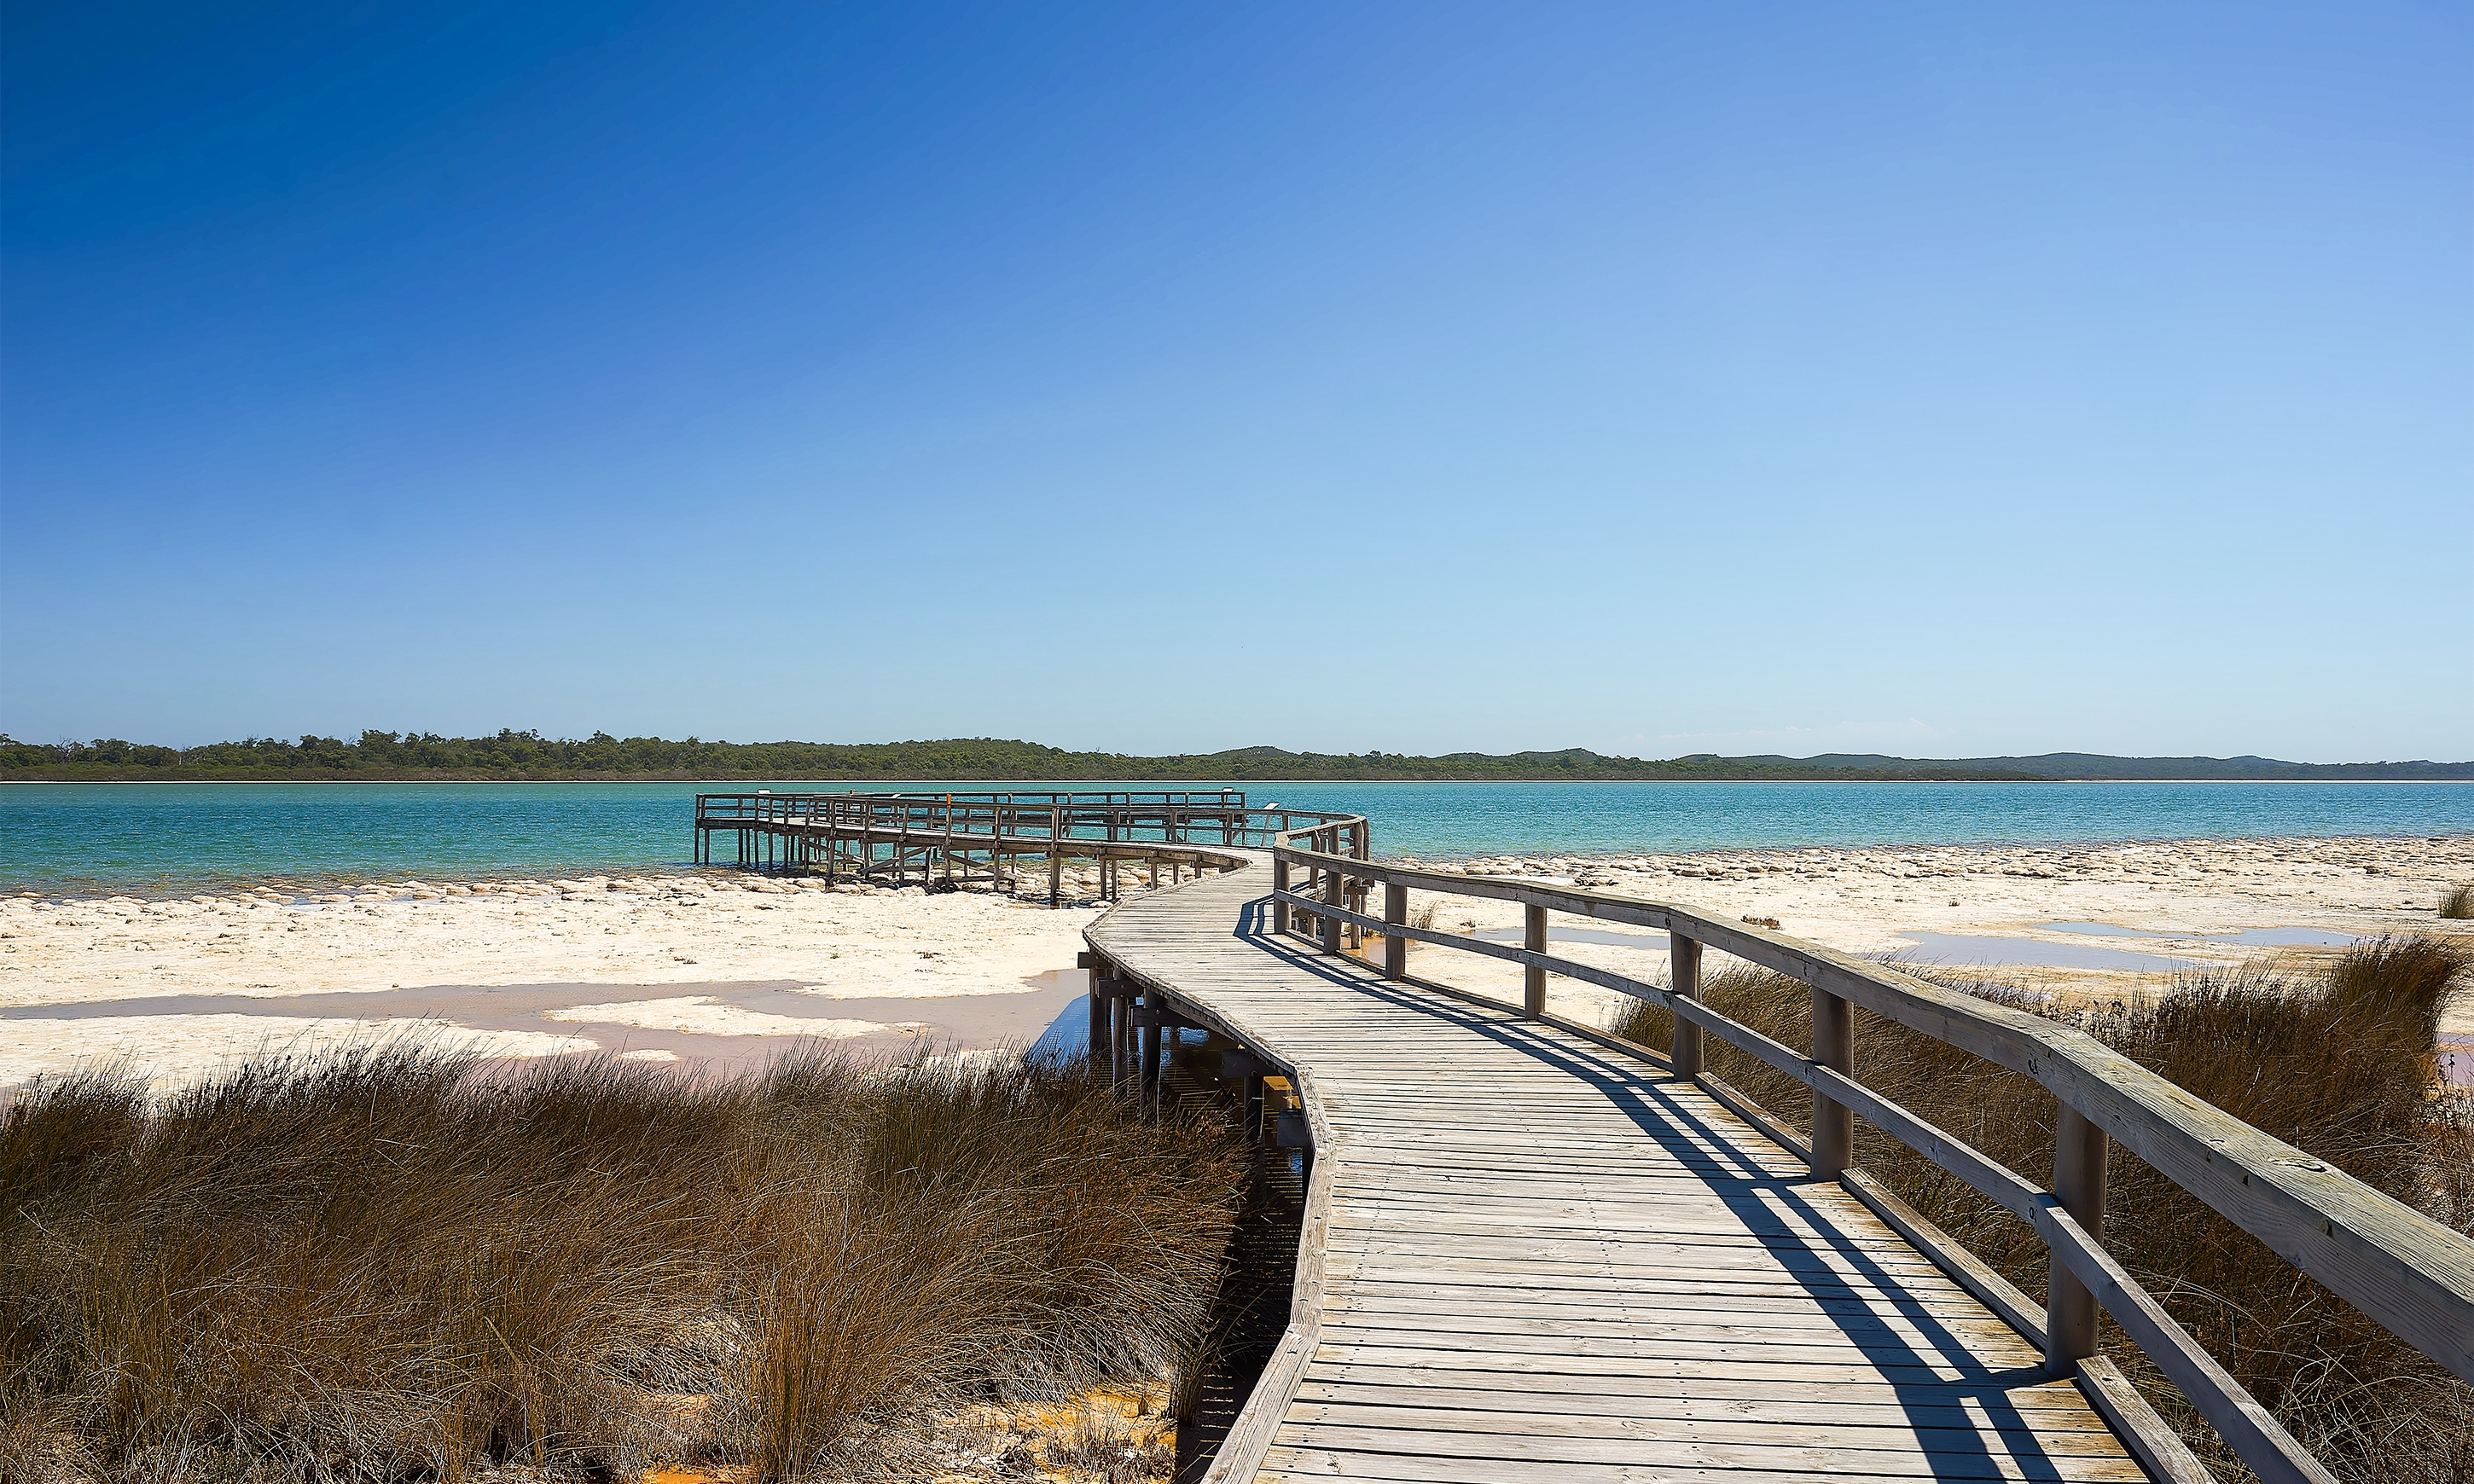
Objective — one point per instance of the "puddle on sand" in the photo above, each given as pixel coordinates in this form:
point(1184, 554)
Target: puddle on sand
point(1988, 952)
point(2255, 937)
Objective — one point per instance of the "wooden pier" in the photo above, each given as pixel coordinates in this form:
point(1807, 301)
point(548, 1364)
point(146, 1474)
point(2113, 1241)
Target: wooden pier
point(962, 839)
point(1531, 1251)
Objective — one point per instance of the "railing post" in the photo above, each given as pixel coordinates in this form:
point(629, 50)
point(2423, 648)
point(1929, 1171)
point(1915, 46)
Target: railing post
point(1684, 982)
point(1395, 913)
point(1533, 979)
point(1279, 883)
point(1335, 888)
point(1833, 1045)
point(2078, 1179)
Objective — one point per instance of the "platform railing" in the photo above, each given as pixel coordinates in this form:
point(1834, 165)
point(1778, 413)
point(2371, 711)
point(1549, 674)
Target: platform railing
point(2406, 1272)
point(1027, 818)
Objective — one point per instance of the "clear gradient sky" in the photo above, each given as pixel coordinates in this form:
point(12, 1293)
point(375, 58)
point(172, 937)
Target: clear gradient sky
point(1942, 380)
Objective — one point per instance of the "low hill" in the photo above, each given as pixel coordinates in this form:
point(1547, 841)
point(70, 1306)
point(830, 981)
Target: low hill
point(384, 755)
point(2098, 765)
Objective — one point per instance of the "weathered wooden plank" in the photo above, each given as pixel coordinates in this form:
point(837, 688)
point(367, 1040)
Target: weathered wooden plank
point(1806, 1308)
point(2052, 1404)
point(1450, 1456)
point(1878, 1406)
point(1872, 1432)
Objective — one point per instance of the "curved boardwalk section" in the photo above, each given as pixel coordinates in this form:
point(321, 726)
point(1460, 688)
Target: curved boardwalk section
point(1529, 1257)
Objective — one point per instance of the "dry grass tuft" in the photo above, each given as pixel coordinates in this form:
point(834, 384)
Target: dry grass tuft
point(390, 1263)
point(2459, 903)
point(2338, 1061)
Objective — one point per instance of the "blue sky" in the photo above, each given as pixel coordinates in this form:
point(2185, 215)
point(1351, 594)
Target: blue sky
point(1938, 380)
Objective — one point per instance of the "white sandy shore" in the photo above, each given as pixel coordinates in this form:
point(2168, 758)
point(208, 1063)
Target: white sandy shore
point(173, 988)
point(634, 930)
point(1869, 900)
point(716, 964)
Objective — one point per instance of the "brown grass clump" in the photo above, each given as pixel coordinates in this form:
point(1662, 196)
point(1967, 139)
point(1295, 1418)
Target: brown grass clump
point(387, 1262)
point(2459, 903)
point(2340, 1063)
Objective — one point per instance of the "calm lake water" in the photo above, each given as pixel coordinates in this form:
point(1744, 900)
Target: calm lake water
point(161, 835)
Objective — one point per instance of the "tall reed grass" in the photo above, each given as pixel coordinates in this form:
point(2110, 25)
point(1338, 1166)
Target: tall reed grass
point(2337, 1060)
point(389, 1262)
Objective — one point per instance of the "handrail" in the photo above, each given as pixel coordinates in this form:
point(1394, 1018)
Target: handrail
point(2406, 1272)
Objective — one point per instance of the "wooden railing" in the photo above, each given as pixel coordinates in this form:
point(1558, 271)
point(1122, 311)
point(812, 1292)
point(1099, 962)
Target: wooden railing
point(958, 838)
point(1194, 817)
point(2409, 1273)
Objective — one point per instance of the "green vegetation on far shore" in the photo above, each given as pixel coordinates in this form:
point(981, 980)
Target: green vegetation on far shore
point(528, 756)
point(515, 755)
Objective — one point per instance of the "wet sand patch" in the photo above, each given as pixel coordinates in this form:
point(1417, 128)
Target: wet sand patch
point(903, 1025)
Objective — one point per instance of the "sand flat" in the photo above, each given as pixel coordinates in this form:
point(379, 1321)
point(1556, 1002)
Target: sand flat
point(729, 969)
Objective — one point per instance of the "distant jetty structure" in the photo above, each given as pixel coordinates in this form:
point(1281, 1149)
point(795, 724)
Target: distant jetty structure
point(1532, 1251)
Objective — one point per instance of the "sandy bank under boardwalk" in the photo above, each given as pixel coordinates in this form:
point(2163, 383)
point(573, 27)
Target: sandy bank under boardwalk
point(727, 967)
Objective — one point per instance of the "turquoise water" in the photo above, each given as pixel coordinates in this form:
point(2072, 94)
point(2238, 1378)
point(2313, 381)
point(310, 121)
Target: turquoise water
point(165, 835)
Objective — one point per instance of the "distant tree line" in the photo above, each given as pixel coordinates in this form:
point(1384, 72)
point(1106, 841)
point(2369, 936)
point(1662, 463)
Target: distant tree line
point(377, 755)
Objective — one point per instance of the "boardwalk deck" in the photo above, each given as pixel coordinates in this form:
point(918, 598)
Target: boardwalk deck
point(1538, 1258)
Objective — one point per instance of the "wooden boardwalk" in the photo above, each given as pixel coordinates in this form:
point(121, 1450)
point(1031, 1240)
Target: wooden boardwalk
point(1530, 1257)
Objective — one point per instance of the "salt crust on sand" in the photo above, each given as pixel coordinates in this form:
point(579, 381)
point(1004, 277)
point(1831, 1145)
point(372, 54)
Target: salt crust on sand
point(702, 1013)
point(636, 931)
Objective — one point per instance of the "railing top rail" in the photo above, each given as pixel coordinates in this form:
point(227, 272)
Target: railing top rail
point(2404, 1270)
point(975, 793)
point(1212, 808)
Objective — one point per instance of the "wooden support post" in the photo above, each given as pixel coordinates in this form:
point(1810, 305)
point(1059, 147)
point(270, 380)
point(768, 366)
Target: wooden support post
point(1833, 1045)
point(1099, 1039)
point(2079, 1178)
point(1684, 981)
point(1279, 883)
point(1395, 948)
point(1533, 979)
point(1121, 1045)
point(1055, 856)
point(1332, 892)
point(1150, 1089)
